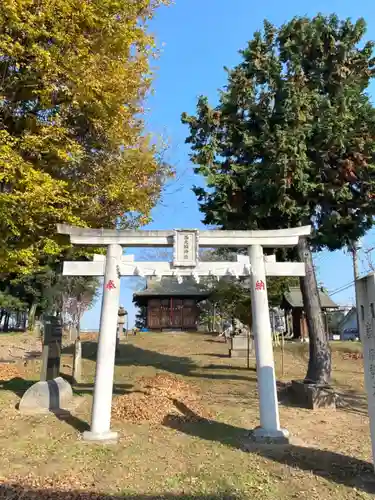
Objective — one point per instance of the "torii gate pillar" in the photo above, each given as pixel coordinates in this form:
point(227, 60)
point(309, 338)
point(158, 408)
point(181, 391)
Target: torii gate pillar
point(268, 404)
point(102, 405)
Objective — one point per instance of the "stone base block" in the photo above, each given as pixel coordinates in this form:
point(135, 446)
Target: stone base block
point(100, 437)
point(263, 436)
point(312, 396)
point(47, 396)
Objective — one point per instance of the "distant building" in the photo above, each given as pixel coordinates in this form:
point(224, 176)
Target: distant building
point(349, 324)
point(295, 317)
point(169, 305)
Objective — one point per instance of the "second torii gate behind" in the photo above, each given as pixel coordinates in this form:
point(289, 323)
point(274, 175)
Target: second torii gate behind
point(186, 245)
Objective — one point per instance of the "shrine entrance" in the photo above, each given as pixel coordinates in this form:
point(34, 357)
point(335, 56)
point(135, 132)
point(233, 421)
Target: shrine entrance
point(170, 305)
point(172, 314)
point(186, 244)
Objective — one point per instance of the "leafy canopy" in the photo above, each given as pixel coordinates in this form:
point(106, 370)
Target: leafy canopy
point(74, 76)
point(291, 141)
point(47, 290)
point(232, 296)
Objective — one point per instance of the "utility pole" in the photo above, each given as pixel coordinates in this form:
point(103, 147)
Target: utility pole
point(354, 251)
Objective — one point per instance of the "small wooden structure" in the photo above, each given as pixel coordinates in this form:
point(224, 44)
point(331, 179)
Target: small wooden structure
point(295, 317)
point(170, 305)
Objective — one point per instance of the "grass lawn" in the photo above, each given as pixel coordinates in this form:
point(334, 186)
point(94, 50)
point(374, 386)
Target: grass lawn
point(165, 450)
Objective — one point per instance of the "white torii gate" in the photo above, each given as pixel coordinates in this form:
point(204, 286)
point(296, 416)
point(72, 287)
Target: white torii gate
point(185, 245)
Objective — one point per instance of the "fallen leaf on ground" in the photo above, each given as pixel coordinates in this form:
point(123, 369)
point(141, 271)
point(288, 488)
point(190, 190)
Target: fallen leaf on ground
point(34, 488)
point(8, 371)
point(352, 355)
point(159, 397)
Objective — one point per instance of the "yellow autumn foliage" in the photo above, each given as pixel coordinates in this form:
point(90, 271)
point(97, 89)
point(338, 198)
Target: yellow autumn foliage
point(74, 75)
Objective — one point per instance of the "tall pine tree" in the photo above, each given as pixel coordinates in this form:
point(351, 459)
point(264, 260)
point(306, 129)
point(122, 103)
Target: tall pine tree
point(290, 143)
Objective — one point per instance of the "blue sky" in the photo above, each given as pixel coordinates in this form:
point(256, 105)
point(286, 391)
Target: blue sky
point(199, 38)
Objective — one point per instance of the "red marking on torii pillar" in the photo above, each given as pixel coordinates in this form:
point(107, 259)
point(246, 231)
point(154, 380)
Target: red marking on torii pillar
point(110, 285)
point(259, 285)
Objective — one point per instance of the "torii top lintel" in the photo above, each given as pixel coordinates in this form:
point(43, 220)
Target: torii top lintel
point(209, 239)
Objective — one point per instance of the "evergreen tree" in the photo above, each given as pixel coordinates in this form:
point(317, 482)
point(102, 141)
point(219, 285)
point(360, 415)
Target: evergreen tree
point(141, 317)
point(290, 143)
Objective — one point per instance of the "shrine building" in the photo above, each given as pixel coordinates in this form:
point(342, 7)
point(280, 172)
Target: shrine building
point(295, 316)
point(170, 305)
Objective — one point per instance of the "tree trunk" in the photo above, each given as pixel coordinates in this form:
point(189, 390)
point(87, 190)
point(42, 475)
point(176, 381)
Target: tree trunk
point(77, 361)
point(77, 356)
point(2, 314)
point(18, 320)
point(31, 318)
point(319, 367)
point(6, 322)
point(24, 321)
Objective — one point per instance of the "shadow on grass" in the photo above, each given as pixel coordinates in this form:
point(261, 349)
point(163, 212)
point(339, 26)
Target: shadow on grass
point(335, 467)
point(89, 349)
point(348, 400)
point(230, 367)
point(77, 423)
point(17, 491)
point(203, 334)
point(131, 355)
point(118, 389)
point(80, 389)
point(30, 355)
point(19, 386)
point(352, 401)
point(214, 355)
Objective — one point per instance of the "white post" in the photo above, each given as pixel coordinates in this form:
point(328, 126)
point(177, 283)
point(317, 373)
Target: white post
point(105, 364)
point(268, 405)
point(365, 299)
point(77, 361)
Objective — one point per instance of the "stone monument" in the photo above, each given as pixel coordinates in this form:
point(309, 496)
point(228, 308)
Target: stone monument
point(51, 354)
point(241, 342)
point(47, 396)
point(52, 393)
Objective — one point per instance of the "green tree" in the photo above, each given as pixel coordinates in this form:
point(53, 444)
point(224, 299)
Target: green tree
point(10, 305)
point(141, 317)
point(46, 292)
point(290, 143)
point(232, 296)
point(74, 76)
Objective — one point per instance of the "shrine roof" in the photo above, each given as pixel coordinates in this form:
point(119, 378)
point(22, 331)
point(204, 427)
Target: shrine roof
point(170, 287)
point(293, 298)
